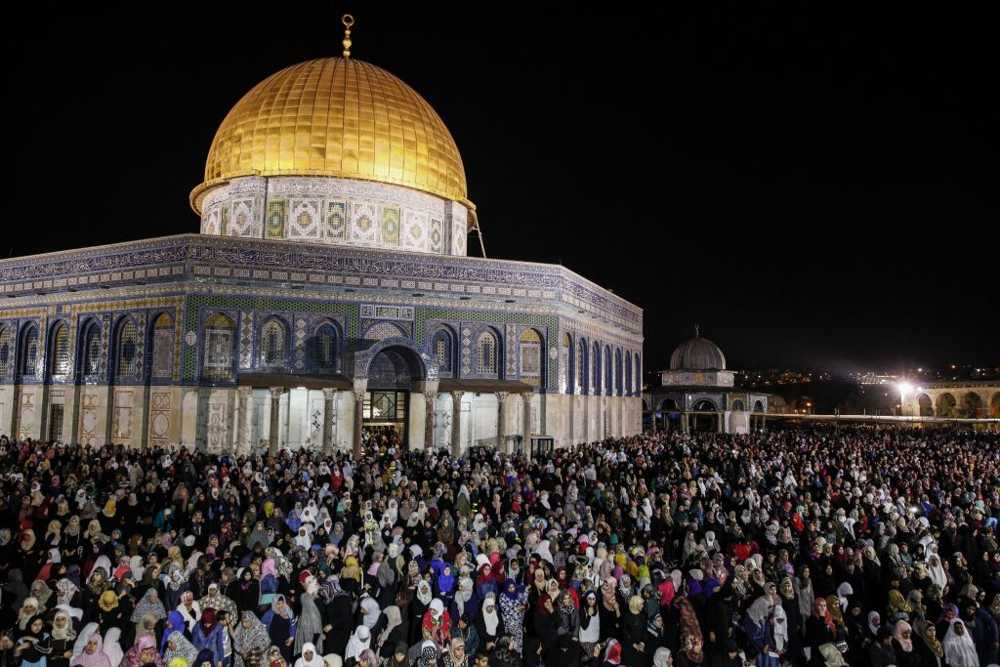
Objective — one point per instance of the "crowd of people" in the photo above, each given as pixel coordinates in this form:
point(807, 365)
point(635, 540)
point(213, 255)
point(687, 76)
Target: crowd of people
point(816, 547)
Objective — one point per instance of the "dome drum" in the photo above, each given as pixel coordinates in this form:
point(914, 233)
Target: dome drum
point(338, 211)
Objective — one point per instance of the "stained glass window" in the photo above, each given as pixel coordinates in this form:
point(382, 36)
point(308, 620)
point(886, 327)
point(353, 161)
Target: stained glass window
point(129, 362)
point(486, 364)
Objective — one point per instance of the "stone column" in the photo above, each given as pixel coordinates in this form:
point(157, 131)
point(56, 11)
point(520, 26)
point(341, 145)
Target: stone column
point(243, 424)
point(329, 408)
point(684, 423)
point(526, 427)
point(272, 441)
point(456, 422)
point(360, 389)
point(722, 421)
point(430, 398)
point(501, 418)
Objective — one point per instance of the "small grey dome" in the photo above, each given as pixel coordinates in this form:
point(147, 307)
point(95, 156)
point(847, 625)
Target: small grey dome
point(697, 354)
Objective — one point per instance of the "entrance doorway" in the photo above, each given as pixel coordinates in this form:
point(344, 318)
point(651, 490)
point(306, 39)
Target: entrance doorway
point(385, 419)
point(56, 422)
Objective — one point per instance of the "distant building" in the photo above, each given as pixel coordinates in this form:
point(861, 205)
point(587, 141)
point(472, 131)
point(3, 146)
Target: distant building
point(699, 394)
point(970, 399)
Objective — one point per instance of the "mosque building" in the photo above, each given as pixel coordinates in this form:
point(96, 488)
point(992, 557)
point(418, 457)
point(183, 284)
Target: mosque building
point(697, 393)
point(328, 293)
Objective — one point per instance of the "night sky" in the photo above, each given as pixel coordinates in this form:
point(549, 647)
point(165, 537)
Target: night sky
point(815, 186)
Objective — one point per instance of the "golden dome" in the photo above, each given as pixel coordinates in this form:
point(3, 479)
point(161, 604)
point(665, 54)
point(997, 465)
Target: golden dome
point(337, 117)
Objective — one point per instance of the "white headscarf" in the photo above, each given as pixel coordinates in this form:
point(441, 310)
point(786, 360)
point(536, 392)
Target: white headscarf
point(317, 659)
point(936, 572)
point(780, 621)
point(360, 640)
point(112, 647)
point(490, 619)
point(959, 650)
point(370, 611)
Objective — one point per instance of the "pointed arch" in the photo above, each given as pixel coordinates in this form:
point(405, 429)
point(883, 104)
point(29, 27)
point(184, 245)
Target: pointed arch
point(619, 376)
point(608, 372)
point(28, 350)
point(443, 350)
point(273, 342)
point(530, 347)
point(60, 357)
point(629, 389)
point(566, 364)
point(324, 347)
point(581, 374)
point(596, 363)
point(219, 345)
point(6, 349)
point(161, 344)
point(488, 353)
point(128, 362)
point(90, 348)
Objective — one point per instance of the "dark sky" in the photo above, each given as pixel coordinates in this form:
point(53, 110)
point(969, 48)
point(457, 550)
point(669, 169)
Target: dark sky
point(813, 185)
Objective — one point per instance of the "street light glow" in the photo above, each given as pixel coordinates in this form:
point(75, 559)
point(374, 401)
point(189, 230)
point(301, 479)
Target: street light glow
point(905, 389)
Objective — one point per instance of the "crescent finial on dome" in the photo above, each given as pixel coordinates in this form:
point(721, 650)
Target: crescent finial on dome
point(348, 21)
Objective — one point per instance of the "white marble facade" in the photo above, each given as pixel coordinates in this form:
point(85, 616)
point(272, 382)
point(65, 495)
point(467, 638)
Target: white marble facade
point(336, 211)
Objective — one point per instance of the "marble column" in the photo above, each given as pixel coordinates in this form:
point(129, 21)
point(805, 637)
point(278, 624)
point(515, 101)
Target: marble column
point(526, 427)
point(456, 422)
point(722, 421)
point(360, 389)
point(684, 423)
point(272, 444)
point(501, 418)
point(244, 426)
point(430, 397)
point(329, 414)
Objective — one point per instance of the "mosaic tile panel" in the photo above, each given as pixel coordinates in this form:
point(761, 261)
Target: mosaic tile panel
point(300, 344)
point(246, 339)
point(336, 221)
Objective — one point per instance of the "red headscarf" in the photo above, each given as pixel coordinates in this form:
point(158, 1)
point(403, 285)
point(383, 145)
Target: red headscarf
point(208, 620)
point(827, 618)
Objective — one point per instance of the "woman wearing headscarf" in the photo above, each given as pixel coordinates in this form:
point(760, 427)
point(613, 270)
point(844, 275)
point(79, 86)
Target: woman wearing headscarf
point(63, 637)
point(489, 623)
point(612, 654)
point(250, 639)
point(111, 612)
point(203, 659)
point(633, 631)
point(280, 624)
point(930, 647)
point(143, 653)
point(455, 655)
point(690, 637)
point(310, 657)
point(113, 646)
point(820, 629)
point(392, 631)
point(959, 648)
point(151, 605)
point(360, 640)
point(246, 591)
point(87, 651)
point(338, 616)
point(512, 603)
point(33, 645)
point(309, 628)
point(207, 635)
point(177, 645)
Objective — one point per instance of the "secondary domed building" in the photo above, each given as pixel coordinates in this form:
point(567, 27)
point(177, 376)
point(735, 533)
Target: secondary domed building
point(699, 393)
point(329, 294)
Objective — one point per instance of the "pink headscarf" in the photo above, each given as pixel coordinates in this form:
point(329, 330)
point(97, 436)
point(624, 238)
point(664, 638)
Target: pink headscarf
point(269, 567)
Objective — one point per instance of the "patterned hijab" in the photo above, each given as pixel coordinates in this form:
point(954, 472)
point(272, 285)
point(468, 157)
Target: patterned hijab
point(250, 634)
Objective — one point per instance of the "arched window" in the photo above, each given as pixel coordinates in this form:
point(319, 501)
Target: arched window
point(6, 350)
point(441, 346)
point(595, 384)
point(618, 372)
point(565, 369)
point(272, 343)
point(60, 351)
point(163, 347)
point(219, 336)
point(581, 366)
point(637, 375)
point(738, 406)
point(608, 388)
point(91, 349)
point(628, 373)
point(486, 351)
point(324, 355)
point(129, 363)
point(531, 356)
point(29, 351)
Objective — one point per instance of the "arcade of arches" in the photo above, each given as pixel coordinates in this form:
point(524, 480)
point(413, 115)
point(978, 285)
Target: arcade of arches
point(964, 400)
